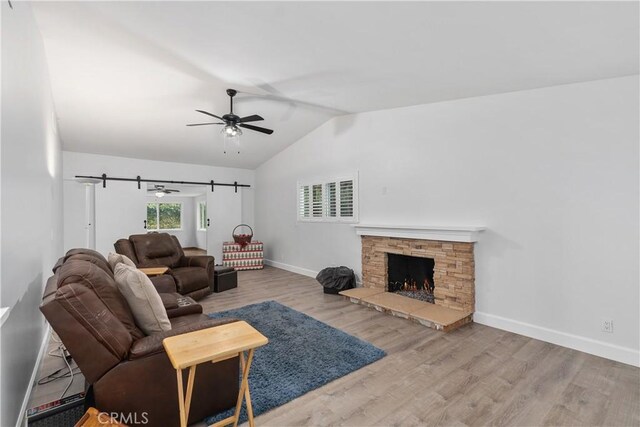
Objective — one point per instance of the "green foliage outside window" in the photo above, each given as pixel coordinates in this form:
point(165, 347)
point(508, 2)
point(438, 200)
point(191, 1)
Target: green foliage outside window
point(152, 216)
point(164, 216)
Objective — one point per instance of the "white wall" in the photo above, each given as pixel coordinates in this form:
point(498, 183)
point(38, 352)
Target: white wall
point(31, 212)
point(120, 222)
point(75, 217)
point(552, 173)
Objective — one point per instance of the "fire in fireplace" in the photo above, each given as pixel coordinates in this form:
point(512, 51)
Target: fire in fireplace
point(411, 276)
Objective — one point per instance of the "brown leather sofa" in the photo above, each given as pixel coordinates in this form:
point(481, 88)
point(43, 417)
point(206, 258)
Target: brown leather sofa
point(129, 373)
point(193, 275)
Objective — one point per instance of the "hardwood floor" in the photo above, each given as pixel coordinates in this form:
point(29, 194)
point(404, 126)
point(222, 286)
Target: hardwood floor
point(475, 375)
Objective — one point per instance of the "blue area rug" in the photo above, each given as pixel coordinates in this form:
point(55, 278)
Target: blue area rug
point(303, 354)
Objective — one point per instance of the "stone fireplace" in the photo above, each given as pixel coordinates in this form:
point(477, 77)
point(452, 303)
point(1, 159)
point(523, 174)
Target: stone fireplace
point(453, 269)
point(425, 274)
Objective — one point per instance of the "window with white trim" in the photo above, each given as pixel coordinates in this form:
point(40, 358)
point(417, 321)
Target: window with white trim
point(330, 200)
point(164, 216)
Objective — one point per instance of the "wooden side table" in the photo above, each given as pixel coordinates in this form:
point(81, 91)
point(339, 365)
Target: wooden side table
point(154, 271)
point(95, 418)
point(214, 345)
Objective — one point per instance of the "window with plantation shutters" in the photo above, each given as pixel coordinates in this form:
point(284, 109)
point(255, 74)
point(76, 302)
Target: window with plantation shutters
point(346, 199)
point(329, 200)
point(316, 200)
point(331, 209)
point(304, 202)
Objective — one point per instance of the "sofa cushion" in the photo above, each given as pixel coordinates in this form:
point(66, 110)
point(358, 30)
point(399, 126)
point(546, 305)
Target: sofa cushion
point(115, 259)
point(164, 284)
point(94, 277)
point(156, 249)
point(85, 251)
point(143, 299)
point(189, 279)
point(98, 261)
point(58, 265)
point(190, 319)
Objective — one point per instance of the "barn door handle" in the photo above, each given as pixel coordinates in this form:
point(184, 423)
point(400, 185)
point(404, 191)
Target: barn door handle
point(208, 222)
point(145, 224)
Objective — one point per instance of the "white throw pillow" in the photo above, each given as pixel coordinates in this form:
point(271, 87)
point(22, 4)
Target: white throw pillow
point(115, 259)
point(143, 299)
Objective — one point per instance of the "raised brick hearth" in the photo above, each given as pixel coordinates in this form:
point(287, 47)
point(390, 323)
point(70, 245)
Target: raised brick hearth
point(454, 269)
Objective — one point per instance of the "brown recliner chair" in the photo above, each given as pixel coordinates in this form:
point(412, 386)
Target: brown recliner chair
point(129, 372)
point(194, 275)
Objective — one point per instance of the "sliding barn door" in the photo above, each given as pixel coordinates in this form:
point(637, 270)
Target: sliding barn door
point(121, 210)
point(79, 218)
point(224, 211)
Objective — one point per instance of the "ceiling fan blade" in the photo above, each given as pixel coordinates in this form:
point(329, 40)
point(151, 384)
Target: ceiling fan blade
point(254, 118)
point(257, 128)
point(204, 124)
point(172, 191)
point(209, 114)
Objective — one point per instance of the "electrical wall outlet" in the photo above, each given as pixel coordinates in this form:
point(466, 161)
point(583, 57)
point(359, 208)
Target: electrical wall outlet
point(606, 325)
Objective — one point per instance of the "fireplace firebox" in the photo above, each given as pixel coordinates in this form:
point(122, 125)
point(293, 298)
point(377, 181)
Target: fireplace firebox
point(411, 276)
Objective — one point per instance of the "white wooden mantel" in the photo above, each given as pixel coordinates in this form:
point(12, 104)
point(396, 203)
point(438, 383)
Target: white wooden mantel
point(455, 233)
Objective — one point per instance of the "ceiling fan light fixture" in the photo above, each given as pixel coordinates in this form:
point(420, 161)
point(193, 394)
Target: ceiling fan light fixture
point(159, 193)
point(231, 134)
point(231, 130)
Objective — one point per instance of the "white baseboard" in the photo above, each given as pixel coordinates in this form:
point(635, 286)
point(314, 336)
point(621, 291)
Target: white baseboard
point(576, 342)
point(291, 268)
point(22, 419)
point(299, 270)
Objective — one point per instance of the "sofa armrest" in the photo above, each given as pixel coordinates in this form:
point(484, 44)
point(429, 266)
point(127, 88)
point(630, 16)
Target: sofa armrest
point(204, 261)
point(152, 344)
point(164, 284)
point(169, 300)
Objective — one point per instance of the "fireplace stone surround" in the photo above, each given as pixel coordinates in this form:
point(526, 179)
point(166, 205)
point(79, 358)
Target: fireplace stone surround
point(451, 248)
point(453, 271)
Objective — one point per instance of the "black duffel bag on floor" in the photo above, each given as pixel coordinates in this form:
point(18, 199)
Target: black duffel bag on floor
point(336, 279)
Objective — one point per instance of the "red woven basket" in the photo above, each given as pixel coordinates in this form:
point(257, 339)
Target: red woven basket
point(242, 239)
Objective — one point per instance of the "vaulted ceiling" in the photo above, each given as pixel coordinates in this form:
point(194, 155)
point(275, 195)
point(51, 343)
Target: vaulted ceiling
point(127, 76)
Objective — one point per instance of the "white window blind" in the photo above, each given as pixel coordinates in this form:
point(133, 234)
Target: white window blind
point(346, 199)
point(331, 209)
point(330, 200)
point(317, 200)
point(304, 202)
